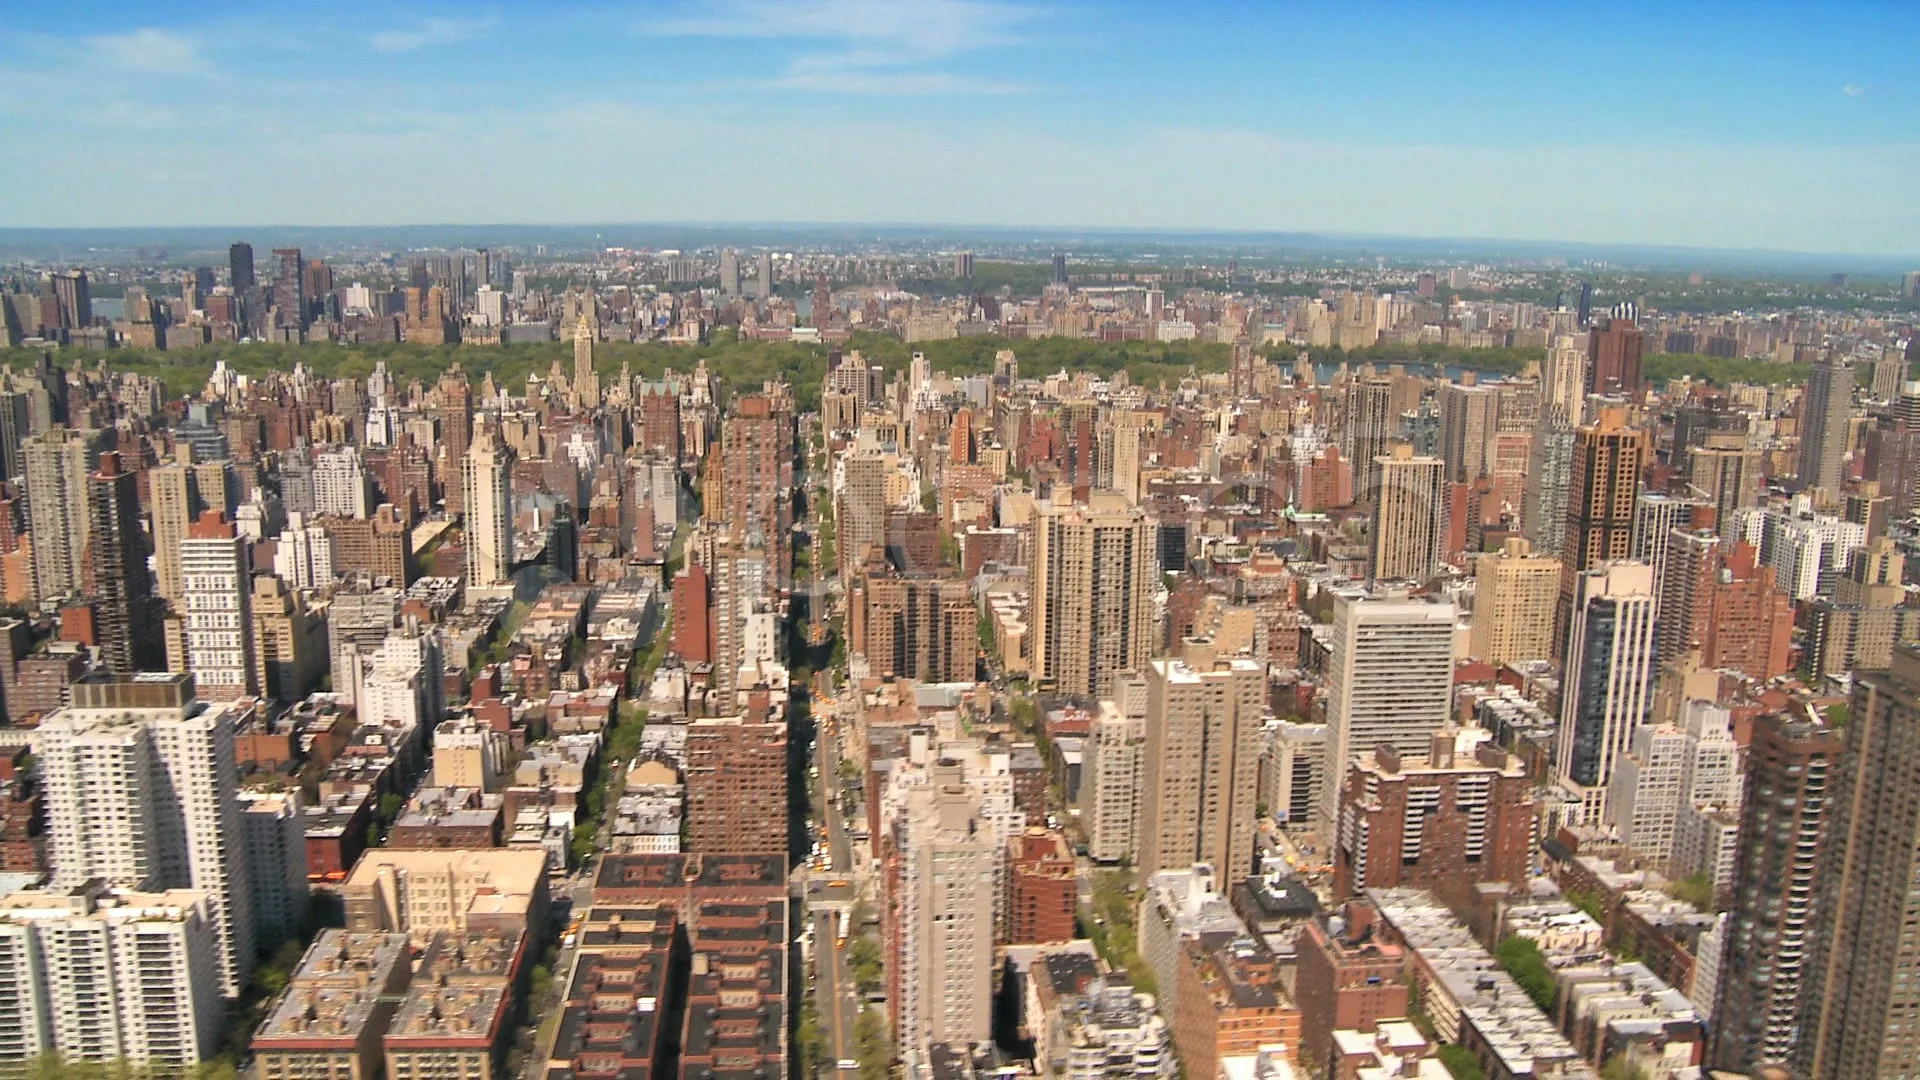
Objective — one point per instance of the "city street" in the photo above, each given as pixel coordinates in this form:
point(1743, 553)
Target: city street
point(837, 999)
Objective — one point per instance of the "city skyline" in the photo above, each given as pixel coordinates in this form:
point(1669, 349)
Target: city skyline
point(1786, 133)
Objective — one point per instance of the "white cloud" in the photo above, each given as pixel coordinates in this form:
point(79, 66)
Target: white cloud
point(435, 31)
point(915, 29)
point(150, 50)
point(870, 39)
point(1856, 89)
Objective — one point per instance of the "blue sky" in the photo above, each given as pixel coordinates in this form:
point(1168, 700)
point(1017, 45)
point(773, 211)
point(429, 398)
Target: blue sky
point(1778, 126)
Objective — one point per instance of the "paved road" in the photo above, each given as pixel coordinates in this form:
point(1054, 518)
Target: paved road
point(835, 996)
point(827, 744)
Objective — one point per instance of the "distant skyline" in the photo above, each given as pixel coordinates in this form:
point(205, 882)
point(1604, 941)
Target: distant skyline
point(1794, 127)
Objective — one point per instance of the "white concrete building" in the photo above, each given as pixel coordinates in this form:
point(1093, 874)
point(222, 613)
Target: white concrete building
point(142, 792)
point(947, 877)
point(340, 483)
point(273, 835)
point(218, 623)
point(303, 554)
point(1389, 680)
point(101, 976)
point(1110, 784)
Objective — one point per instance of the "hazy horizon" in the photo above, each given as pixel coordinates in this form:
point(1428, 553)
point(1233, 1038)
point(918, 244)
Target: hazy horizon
point(1787, 128)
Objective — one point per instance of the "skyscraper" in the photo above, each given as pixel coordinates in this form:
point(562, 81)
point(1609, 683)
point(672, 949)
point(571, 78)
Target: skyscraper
point(1726, 473)
point(1603, 486)
point(75, 299)
point(949, 858)
point(121, 586)
point(1201, 763)
point(1565, 377)
point(141, 790)
point(730, 273)
point(1613, 358)
point(1371, 420)
point(765, 281)
point(1543, 512)
point(1608, 687)
point(1862, 972)
point(1389, 680)
point(1793, 771)
point(456, 435)
point(1409, 516)
point(756, 477)
point(1655, 517)
point(1468, 416)
point(1824, 411)
point(58, 463)
point(486, 474)
point(1513, 600)
point(218, 619)
point(176, 505)
point(240, 268)
point(289, 289)
point(1059, 268)
point(1093, 577)
point(586, 382)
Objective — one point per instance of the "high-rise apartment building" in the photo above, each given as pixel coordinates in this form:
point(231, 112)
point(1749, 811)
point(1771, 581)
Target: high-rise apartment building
point(1515, 592)
point(1867, 614)
point(103, 976)
point(756, 475)
point(455, 415)
point(74, 297)
point(1603, 488)
point(1371, 422)
point(303, 556)
point(1201, 767)
point(176, 505)
point(861, 511)
point(1793, 770)
point(1608, 686)
point(58, 463)
point(729, 273)
point(341, 486)
point(1409, 516)
point(1823, 417)
point(1692, 562)
point(1093, 580)
point(736, 778)
point(486, 476)
point(1444, 817)
point(1655, 517)
point(1468, 416)
point(119, 583)
point(217, 622)
point(1543, 512)
point(1861, 982)
point(1110, 784)
point(1726, 473)
point(919, 626)
point(949, 863)
point(289, 290)
point(1613, 358)
point(141, 791)
point(1389, 680)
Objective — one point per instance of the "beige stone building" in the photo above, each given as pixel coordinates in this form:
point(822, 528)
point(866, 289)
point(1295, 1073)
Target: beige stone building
point(1514, 595)
point(1093, 578)
point(1201, 769)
